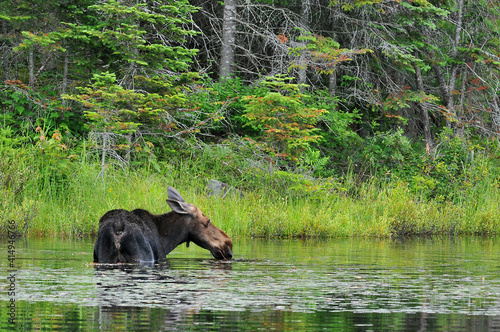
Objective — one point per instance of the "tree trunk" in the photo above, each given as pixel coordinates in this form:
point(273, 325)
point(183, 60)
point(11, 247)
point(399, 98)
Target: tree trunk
point(64, 86)
point(445, 93)
point(332, 83)
point(5, 54)
point(128, 137)
point(454, 66)
point(31, 68)
point(103, 155)
point(133, 66)
point(332, 78)
point(228, 40)
point(132, 69)
point(495, 115)
point(448, 89)
point(429, 144)
point(460, 129)
point(305, 13)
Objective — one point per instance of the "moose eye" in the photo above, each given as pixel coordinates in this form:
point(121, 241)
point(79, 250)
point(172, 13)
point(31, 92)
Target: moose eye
point(208, 222)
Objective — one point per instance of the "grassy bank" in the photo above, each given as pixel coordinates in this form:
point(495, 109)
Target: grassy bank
point(44, 203)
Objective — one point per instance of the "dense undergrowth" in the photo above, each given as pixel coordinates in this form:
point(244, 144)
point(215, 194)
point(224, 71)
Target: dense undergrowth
point(49, 191)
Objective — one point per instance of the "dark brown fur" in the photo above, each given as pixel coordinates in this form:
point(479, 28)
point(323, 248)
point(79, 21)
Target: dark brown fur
point(140, 236)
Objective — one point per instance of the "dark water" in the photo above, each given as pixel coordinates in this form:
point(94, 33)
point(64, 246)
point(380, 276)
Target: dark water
point(342, 285)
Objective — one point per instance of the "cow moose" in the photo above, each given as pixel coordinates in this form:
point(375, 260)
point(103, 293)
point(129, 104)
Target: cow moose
point(140, 236)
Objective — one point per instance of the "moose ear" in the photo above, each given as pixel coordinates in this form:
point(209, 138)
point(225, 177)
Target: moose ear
point(174, 195)
point(179, 207)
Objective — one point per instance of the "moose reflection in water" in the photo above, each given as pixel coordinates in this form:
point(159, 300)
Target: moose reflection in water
point(140, 236)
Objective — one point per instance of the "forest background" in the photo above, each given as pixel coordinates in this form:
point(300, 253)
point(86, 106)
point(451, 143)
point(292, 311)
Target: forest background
point(334, 118)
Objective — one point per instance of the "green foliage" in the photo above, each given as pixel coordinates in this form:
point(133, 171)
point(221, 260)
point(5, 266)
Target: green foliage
point(230, 99)
point(336, 128)
point(110, 107)
point(7, 138)
point(49, 41)
point(314, 163)
point(323, 54)
point(402, 100)
point(286, 124)
point(23, 109)
point(227, 99)
point(455, 168)
point(450, 173)
point(54, 160)
point(18, 173)
point(385, 151)
point(125, 33)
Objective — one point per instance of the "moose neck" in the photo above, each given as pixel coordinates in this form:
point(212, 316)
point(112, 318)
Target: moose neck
point(173, 230)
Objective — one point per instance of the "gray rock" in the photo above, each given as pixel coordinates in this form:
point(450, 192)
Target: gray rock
point(222, 189)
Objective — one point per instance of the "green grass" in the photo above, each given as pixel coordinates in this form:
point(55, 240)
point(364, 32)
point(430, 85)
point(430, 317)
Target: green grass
point(44, 205)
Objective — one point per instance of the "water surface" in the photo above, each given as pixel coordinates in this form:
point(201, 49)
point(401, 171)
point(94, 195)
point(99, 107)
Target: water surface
point(444, 284)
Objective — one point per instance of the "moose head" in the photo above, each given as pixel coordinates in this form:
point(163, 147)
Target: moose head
point(199, 228)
